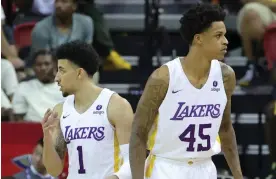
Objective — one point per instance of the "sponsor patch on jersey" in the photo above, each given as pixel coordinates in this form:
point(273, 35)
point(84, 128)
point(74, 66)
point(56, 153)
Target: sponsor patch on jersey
point(215, 88)
point(98, 110)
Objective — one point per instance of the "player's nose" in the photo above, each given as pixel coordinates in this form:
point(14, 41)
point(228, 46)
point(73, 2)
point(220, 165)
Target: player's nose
point(57, 78)
point(225, 41)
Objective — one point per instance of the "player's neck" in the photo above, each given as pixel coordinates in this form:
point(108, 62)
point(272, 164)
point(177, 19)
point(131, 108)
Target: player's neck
point(86, 94)
point(197, 64)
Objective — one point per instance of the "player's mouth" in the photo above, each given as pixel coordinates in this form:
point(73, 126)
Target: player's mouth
point(224, 50)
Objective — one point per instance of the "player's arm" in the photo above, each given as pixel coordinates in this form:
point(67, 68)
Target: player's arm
point(226, 132)
point(120, 114)
point(54, 148)
point(147, 109)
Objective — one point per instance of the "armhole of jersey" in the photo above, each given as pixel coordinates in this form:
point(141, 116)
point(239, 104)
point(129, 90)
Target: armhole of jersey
point(65, 107)
point(221, 75)
point(170, 79)
point(109, 96)
point(169, 66)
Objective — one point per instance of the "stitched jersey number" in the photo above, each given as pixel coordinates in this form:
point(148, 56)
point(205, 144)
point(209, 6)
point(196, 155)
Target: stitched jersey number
point(190, 131)
point(81, 170)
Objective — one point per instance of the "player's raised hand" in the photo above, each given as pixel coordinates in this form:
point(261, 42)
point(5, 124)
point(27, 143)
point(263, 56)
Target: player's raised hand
point(49, 122)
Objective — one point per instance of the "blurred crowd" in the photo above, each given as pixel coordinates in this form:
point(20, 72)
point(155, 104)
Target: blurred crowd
point(28, 66)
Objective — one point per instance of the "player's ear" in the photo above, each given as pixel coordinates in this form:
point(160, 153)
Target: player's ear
point(80, 72)
point(198, 39)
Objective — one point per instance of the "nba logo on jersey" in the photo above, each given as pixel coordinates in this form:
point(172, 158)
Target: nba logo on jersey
point(215, 84)
point(98, 110)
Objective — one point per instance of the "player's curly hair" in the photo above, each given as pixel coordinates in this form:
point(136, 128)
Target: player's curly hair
point(198, 19)
point(80, 54)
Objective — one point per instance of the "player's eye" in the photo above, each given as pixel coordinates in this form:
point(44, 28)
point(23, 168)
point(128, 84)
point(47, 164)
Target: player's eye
point(218, 35)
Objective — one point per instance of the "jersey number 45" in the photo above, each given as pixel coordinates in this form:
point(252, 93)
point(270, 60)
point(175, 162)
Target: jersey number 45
point(190, 131)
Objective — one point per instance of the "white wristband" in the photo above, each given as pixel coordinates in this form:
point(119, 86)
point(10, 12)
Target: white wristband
point(124, 171)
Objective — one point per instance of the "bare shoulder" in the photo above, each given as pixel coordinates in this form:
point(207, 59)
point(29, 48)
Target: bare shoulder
point(229, 78)
point(154, 93)
point(58, 108)
point(158, 82)
point(161, 74)
point(117, 102)
point(119, 109)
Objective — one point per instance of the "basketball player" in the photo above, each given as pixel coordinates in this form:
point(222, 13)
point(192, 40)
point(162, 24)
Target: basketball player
point(93, 124)
point(186, 105)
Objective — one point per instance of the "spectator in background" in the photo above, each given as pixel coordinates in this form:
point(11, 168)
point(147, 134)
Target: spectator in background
point(35, 96)
point(9, 84)
point(6, 108)
point(253, 19)
point(33, 10)
point(37, 170)
point(102, 38)
point(7, 50)
point(63, 26)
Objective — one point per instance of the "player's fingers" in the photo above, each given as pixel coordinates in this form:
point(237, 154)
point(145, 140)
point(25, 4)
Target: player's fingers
point(48, 121)
point(48, 128)
point(48, 110)
point(46, 115)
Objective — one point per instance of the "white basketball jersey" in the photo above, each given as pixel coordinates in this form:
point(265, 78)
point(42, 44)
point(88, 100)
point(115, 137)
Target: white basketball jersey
point(92, 145)
point(189, 118)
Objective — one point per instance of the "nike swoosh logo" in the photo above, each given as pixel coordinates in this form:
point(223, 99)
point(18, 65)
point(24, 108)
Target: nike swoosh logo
point(65, 116)
point(176, 91)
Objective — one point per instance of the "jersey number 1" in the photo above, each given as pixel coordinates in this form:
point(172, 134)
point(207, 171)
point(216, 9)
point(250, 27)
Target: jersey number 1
point(190, 130)
point(81, 170)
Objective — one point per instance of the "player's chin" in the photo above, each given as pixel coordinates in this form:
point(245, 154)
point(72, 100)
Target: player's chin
point(221, 57)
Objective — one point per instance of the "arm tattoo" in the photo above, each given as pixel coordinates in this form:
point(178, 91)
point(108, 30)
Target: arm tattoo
point(60, 144)
point(145, 115)
point(229, 81)
point(226, 132)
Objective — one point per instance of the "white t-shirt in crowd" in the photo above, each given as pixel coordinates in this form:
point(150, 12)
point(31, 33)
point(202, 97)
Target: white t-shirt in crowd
point(43, 7)
point(3, 17)
point(5, 102)
point(9, 81)
point(33, 98)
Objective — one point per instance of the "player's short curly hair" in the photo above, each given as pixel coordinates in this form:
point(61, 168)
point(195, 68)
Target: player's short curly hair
point(80, 54)
point(198, 19)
